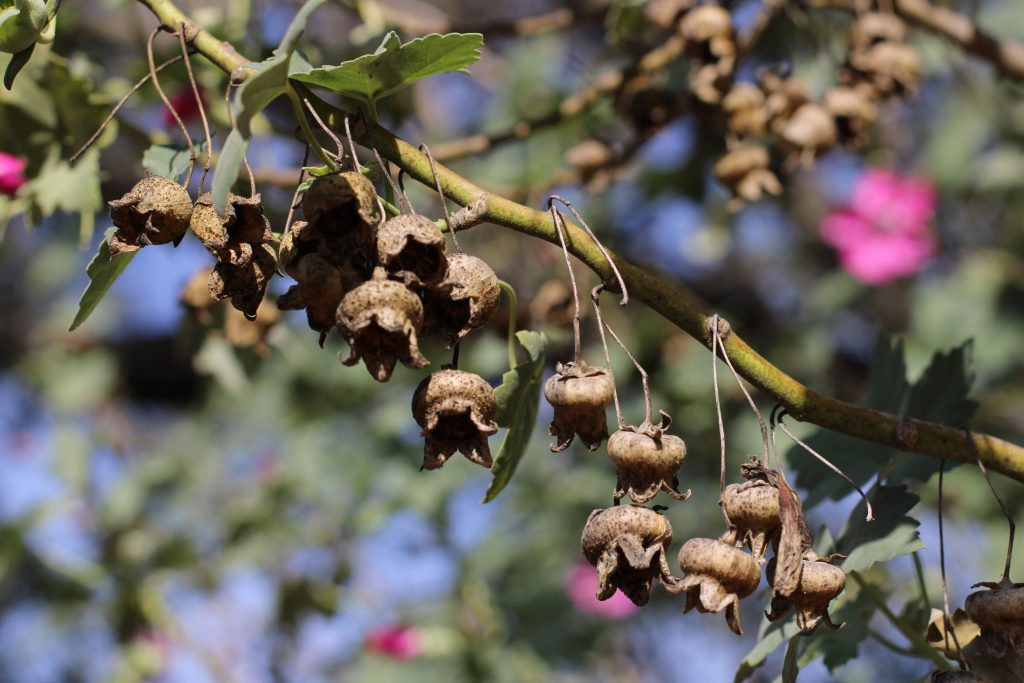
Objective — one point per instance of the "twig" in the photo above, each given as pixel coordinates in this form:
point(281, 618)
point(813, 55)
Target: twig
point(1002, 505)
point(645, 383)
point(199, 104)
point(170, 107)
point(440, 193)
point(556, 218)
point(595, 293)
point(947, 621)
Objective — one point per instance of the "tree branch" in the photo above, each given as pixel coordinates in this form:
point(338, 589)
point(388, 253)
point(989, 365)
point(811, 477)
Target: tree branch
point(666, 296)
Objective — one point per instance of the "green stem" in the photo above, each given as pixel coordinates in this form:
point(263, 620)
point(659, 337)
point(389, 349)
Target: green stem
point(510, 293)
point(919, 569)
point(307, 132)
point(919, 645)
point(890, 645)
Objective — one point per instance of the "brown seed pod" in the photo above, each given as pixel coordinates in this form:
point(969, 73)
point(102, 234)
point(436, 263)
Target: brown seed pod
point(252, 334)
point(854, 112)
point(231, 238)
point(628, 545)
point(783, 96)
point(380, 319)
point(340, 201)
point(245, 285)
point(811, 130)
point(411, 248)
point(580, 395)
point(753, 512)
point(666, 13)
point(464, 300)
point(709, 35)
point(456, 411)
point(319, 290)
point(745, 172)
point(196, 297)
point(999, 612)
point(890, 68)
point(745, 105)
point(647, 460)
point(875, 27)
point(716, 576)
point(156, 210)
point(820, 582)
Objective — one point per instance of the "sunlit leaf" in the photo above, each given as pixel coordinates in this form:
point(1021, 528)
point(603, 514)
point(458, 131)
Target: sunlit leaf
point(103, 271)
point(169, 161)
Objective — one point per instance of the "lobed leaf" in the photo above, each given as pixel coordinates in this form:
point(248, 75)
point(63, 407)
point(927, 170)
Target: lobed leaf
point(892, 533)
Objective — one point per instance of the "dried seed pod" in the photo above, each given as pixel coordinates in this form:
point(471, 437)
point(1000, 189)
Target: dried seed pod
point(999, 612)
point(231, 238)
point(854, 113)
point(811, 129)
point(196, 297)
point(709, 35)
point(411, 248)
point(628, 545)
point(380, 319)
point(875, 27)
point(745, 105)
point(156, 211)
point(319, 290)
point(589, 158)
point(580, 395)
point(245, 285)
point(341, 201)
point(783, 96)
point(666, 13)
point(890, 68)
point(456, 411)
point(745, 172)
point(716, 576)
point(243, 333)
point(647, 460)
point(753, 511)
point(464, 300)
point(710, 82)
point(820, 582)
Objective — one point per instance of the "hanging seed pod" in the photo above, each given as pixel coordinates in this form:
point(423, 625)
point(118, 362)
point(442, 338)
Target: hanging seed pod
point(811, 130)
point(999, 612)
point(156, 210)
point(380, 319)
point(890, 68)
point(245, 285)
point(340, 201)
point(411, 248)
point(243, 333)
point(716, 576)
point(666, 13)
point(647, 460)
point(319, 291)
point(872, 28)
point(709, 35)
point(628, 546)
point(580, 395)
point(820, 582)
point(753, 512)
point(854, 113)
point(231, 238)
point(745, 172)
point(464, 300)
point(745, 106)
point(196, 298)
point(783, 96)
point(456, 411)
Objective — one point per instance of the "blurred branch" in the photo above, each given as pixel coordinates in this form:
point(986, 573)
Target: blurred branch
point(1006, 55)
point(667, 297)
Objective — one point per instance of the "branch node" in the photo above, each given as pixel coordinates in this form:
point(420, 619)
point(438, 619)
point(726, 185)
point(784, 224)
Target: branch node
point(724, 330)
point(471, 214)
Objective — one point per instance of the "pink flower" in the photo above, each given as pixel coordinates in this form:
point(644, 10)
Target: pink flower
point(11, 174)
point(884, 233)
point(396, 642)
point(581, 587)
point(185, 104)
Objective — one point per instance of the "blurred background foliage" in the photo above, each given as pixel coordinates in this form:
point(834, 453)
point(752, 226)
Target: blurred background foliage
point(177, 509)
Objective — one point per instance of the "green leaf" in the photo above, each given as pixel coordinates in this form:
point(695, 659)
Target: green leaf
point(772, 636)
point(841, 646)
point(169, 161)
point(518, 401)
point(892, 533)
point(17, 63)
point(103, 270)
point(790, 666)
point(395, 65)
point(226, 173)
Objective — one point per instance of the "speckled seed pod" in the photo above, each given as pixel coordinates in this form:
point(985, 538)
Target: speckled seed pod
point(820, 582)
point(464, 300)
point(627, 544)
point(342, 200)
point(999, 612)
point(319, 291)
point(232, 237)
point(716, 576)
point(647, 460)
point(708, 32)
point(245, 285)
point(156, 211)
point(753, 511)
point(456, 411)
point(580, 395)
point(745, 172)
point(380, 319)
point(411, 248)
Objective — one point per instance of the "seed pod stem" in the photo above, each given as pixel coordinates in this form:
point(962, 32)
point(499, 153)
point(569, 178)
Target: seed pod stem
point(825, 461)
point(352, 148)
point(559, 221)
point(440, 193)
point(718, 413)
point(199, 104)
point(295, 196)
point(583, 224)
point(717, 340)
point(170, 107)
point(595, 293)
point(1002, 505)
point(325, 128)
point(649, 407)
point(400, 196)
point(948, 628)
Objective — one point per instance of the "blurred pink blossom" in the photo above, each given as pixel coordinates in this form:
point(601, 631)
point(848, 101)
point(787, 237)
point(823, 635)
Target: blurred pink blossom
point(396, 642)
point(581, 587)
point(12, 176)
point(885, 233)
point(185, 104)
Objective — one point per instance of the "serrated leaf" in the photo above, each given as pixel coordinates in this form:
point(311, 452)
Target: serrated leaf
point(395, 65)
point(771, 638)
point(518, 401)
point(169, 161)
point(892, 533)
point(103, 271)
point(840, 646)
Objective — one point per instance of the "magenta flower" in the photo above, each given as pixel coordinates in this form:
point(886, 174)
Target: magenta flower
point(12, 171)
point(581, 587)
point(885, 233)
point(396, 642)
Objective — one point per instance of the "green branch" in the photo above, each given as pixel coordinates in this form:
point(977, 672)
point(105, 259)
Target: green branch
point(662, 294)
